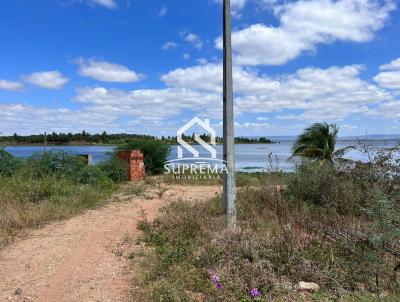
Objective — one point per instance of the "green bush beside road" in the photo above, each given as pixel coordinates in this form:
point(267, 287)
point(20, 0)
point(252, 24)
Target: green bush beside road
point(50, 186)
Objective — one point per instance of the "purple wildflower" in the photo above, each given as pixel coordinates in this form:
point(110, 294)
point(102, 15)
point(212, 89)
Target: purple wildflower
point(215, 279)
point(255, 293)
point(218, 285)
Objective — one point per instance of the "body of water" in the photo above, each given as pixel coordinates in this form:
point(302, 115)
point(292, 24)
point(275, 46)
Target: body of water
point(249, 157)
point(100, 153)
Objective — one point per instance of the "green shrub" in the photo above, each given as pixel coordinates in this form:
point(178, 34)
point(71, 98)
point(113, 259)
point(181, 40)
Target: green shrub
point(22, 189)
point(324, 185)
point(50, 186)
point(60, 164)
point(57, 163)
point(155, 153)
point(8, 163)
point(115, 169)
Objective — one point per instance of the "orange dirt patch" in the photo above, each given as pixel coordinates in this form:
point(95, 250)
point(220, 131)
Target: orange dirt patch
point(84, 258)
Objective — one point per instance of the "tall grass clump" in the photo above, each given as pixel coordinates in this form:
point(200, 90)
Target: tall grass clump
point(337, 226)
point(50, 186)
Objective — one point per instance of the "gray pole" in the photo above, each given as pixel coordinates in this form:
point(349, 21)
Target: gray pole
point(229, 143)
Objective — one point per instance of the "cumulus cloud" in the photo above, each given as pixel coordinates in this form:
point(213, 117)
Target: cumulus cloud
point(387, 110)
point(390, 75)
point(194, 40)
point(11, 85)
point(305, 24)
point(110, 4)
point(163, 102)
point(47, 79)
point(106, 71)
point(20, 117)
point(202, 61)
point(102, 109)
point(389, 79)
point(169, 45)
point(394, 65)
point(334, 93)
point(209, 77)
point(308, 94)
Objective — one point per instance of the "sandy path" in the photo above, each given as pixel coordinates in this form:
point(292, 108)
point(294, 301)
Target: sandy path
point(83, 259)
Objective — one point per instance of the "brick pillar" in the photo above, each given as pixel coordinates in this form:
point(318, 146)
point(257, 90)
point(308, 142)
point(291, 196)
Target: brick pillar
point(135, 159)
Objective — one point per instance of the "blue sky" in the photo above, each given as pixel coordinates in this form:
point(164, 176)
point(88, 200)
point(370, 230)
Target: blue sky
point(141, 66)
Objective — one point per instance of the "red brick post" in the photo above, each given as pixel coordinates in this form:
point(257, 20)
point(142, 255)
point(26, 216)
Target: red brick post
point(135, 160)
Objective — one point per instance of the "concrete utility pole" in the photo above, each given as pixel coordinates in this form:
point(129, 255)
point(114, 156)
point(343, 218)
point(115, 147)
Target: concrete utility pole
point(229, 137)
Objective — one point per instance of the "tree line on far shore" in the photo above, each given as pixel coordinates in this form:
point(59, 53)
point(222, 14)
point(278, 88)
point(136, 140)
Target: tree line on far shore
point(72, 138)
point(85, 138)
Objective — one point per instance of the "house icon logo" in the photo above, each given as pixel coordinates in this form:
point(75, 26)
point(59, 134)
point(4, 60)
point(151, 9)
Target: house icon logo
point(195, 167)
point(210, 147)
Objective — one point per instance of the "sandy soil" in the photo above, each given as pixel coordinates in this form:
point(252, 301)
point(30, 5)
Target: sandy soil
point(84, 258)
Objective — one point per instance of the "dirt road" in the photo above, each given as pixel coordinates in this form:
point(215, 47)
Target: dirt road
point(84, 258)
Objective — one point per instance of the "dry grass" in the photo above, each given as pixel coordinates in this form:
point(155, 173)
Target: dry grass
point(41, 201)
point(48, 188)
point(341, 236)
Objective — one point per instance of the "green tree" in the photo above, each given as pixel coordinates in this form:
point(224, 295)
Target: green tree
point(318, 142)
point(155, 153)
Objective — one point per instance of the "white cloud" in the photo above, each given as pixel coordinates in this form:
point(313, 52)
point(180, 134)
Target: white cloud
point(253, 125)
point(209, 78)
point(107, 72)
point(310, 94)
point(147, 104)
point(389, 79)
point(388, 110)
point(332, 93)
point(102, 108)
point(194, 40)
point(394, 65)
point(390, 76)
point(304, 25)
point(110, 4)
point(236, 5)
point(170, 100)
point(47, 79)
point(11, 85)
point(202, 61)
point(163, 11)
point(18, 117)
point(169, 45)
point(186, 56)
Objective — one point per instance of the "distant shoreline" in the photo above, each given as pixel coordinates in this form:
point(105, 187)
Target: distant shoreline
point(114, 145)
point(176, 143)
point(58, 145)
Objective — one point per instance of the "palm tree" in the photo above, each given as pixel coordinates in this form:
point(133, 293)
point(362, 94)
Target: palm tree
point(318, 143)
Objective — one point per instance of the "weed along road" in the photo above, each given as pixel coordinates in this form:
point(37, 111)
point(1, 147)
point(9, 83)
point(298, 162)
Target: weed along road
point(85, 258)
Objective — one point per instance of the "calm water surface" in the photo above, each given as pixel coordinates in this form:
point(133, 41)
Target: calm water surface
point(249, 157)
